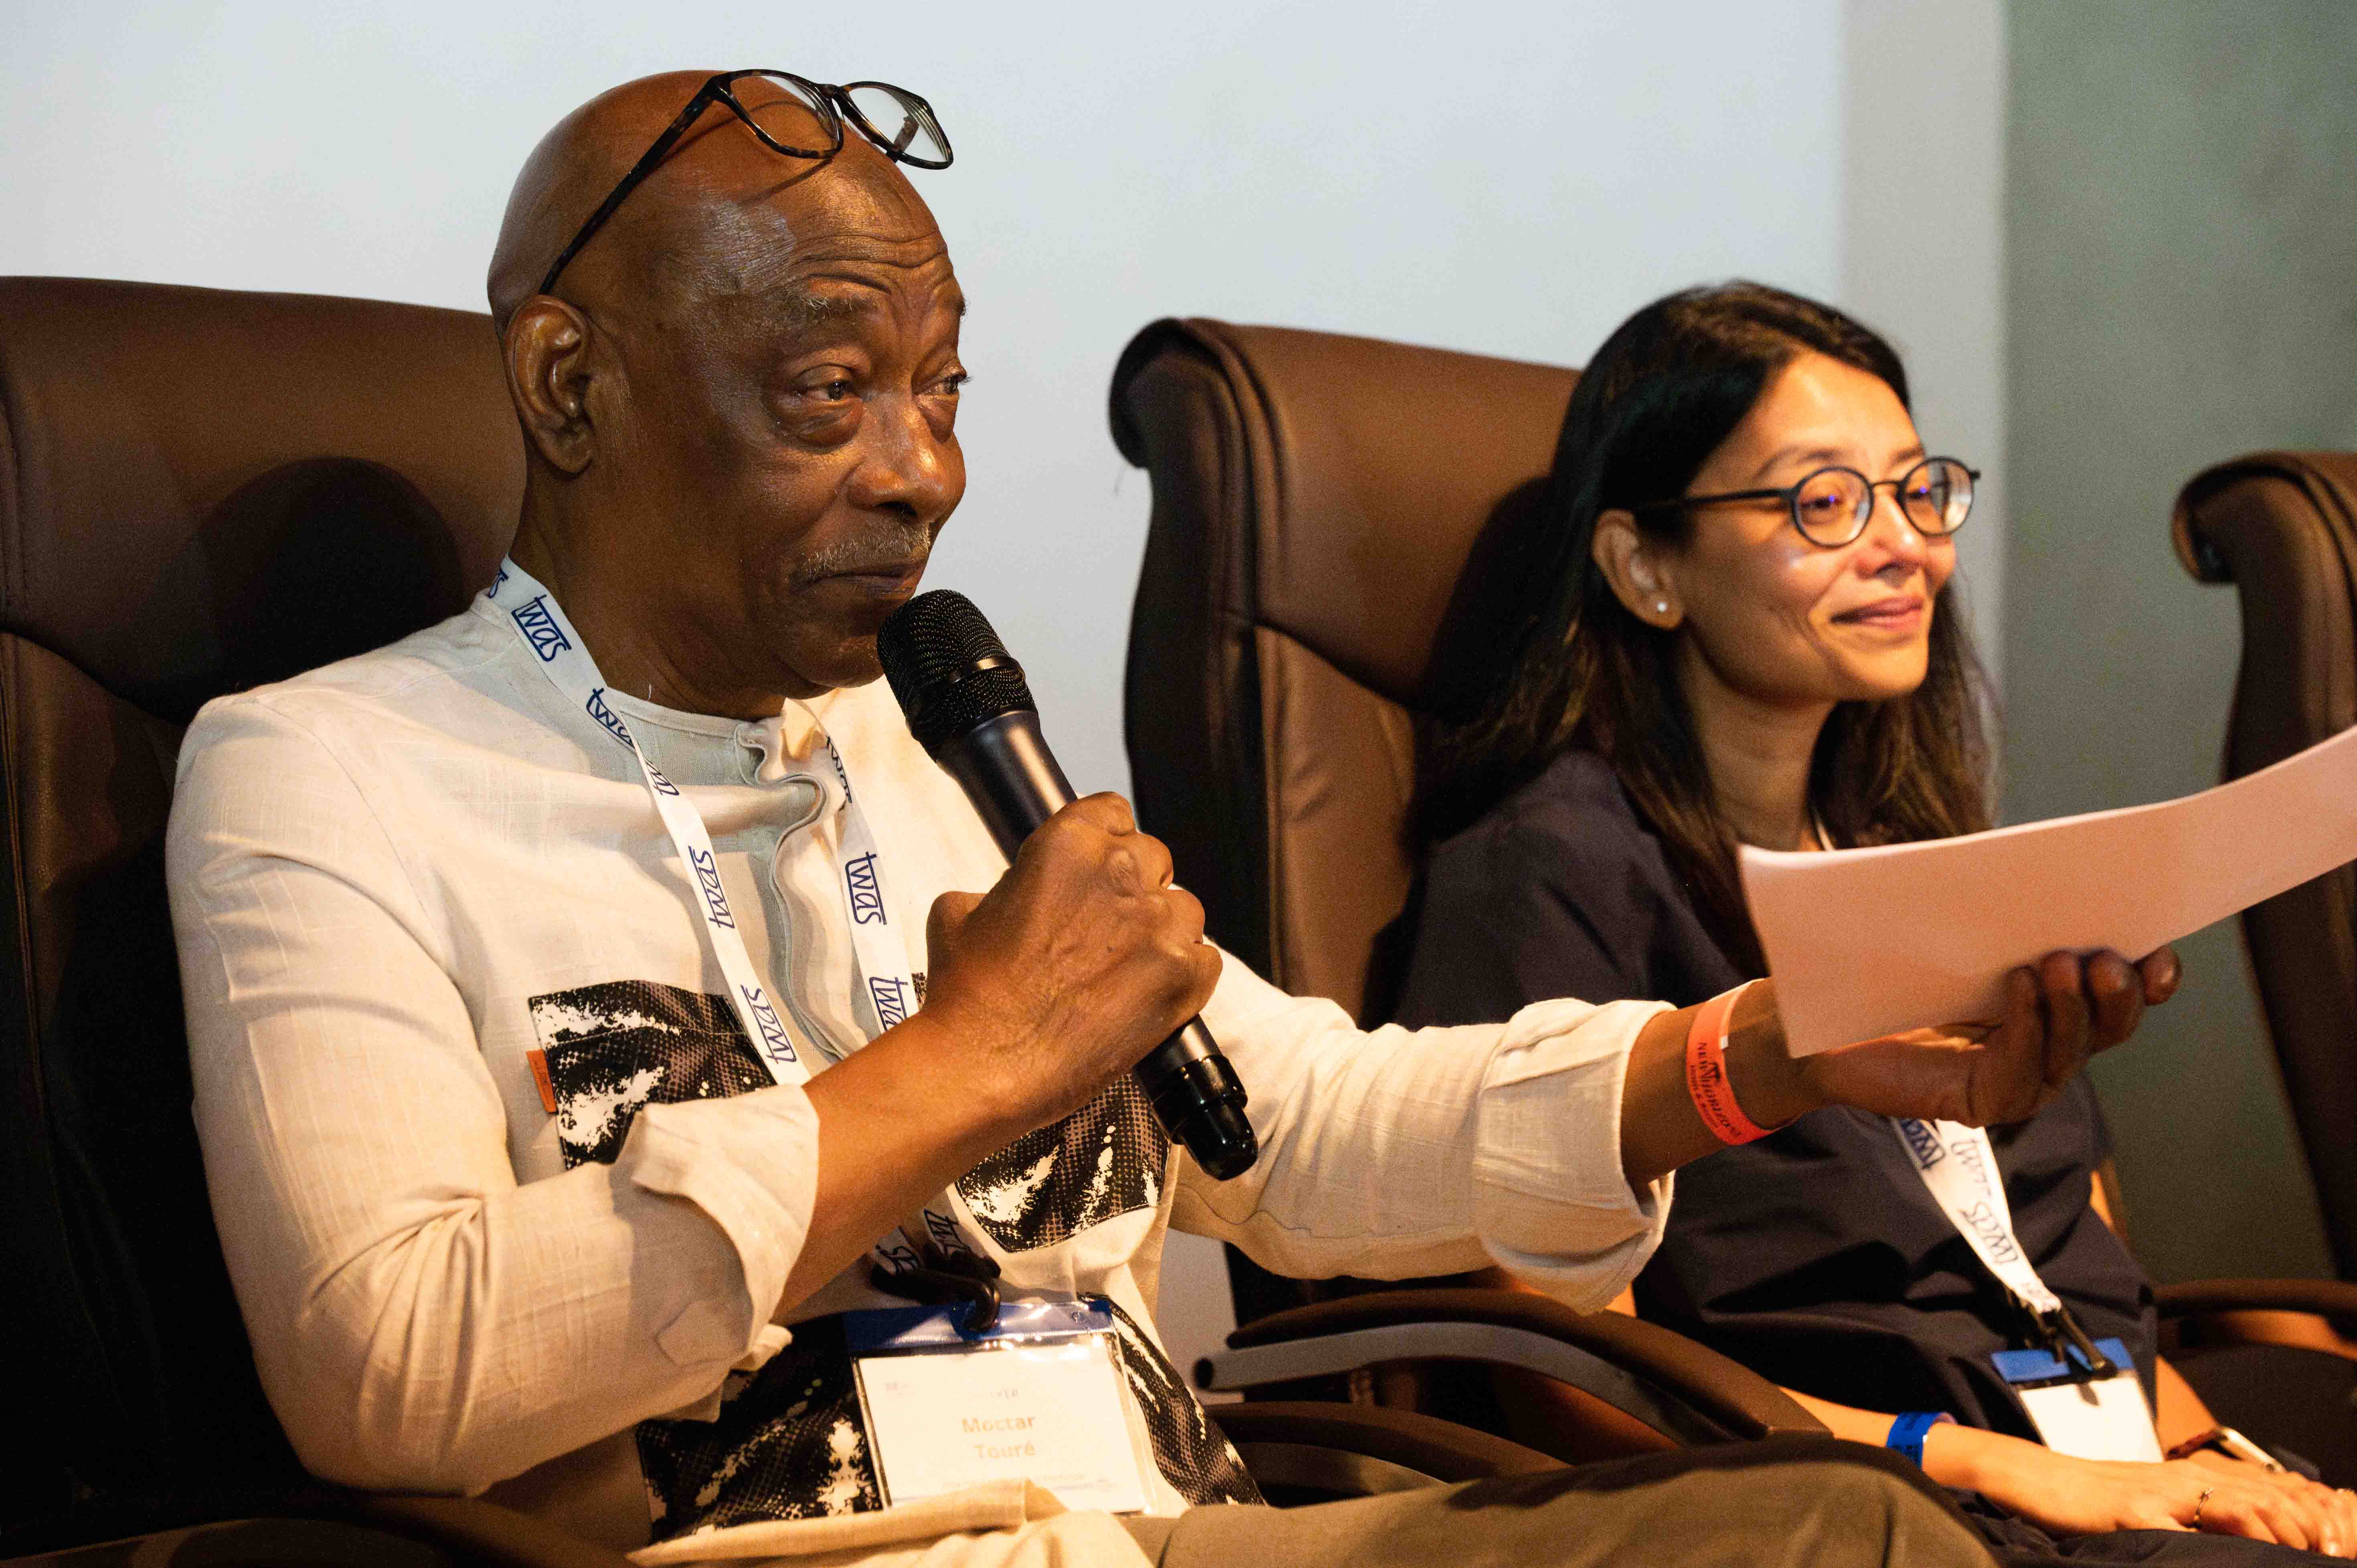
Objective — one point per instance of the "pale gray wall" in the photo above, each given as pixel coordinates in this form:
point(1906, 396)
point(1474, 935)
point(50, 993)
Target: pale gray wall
point(1923, 244)
point(2183, 287)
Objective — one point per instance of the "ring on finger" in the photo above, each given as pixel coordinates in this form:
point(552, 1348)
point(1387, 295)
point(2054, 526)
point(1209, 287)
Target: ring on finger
point(2195, 1522)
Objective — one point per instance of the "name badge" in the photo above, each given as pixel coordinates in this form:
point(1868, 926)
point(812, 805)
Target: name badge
point(2087, 1418)
point(1037, 1397)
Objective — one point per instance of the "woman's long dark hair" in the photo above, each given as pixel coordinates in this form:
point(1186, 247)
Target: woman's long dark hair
point(1539, 656)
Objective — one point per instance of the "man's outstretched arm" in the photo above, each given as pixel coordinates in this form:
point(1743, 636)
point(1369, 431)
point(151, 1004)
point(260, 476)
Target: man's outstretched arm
point(1546, 1144)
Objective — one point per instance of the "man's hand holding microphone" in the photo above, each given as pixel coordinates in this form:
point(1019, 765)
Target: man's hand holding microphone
point(1081, 960)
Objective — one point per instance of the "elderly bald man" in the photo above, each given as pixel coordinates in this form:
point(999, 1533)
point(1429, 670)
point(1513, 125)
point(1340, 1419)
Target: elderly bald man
point(563, 1120)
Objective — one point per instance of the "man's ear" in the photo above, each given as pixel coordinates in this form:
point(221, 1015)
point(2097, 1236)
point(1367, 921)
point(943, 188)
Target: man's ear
point(1634, 571)
point(549, 375)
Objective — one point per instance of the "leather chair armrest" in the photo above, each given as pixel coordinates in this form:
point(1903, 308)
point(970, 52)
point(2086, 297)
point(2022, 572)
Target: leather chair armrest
point(1665, 1381)
point(1297, 1443)
point(2326, 1298)
point(318, 1526)
point(2305, 1314)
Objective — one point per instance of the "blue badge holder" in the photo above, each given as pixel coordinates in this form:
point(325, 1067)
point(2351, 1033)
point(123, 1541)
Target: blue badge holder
point(899, 1330)
point(2044, 1368)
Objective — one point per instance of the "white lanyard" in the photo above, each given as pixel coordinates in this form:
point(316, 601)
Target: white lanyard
point(883, 958)
point(2097, 1412)
point(1958, 1165)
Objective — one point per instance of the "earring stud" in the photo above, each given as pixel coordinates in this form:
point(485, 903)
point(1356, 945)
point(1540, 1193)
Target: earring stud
point(1662, 607)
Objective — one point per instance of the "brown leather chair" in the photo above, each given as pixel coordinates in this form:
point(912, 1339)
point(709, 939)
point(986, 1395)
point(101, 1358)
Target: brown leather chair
point(2282, 528)
point(200, 491)
point(1316, 499)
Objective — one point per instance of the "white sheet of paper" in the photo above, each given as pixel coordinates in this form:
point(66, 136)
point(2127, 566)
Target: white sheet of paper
point(1867, 942)
point(1049, 1413)
point(2102, 1420)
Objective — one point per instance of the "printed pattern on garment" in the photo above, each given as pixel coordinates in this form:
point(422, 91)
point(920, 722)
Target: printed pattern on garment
point(788, 1444)
point(1193, 1456)
point(614, 1049)
point(1103, 1161)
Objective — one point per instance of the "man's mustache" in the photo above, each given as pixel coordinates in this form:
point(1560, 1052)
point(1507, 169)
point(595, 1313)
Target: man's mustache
point(890, 549)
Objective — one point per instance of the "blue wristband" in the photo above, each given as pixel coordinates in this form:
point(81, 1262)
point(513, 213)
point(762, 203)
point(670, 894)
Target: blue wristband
point(1909, 1430)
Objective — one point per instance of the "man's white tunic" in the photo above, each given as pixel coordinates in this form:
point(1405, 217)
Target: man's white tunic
point(396, 878)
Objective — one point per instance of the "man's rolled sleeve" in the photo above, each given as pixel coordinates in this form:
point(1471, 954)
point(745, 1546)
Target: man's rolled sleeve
point(1557, 1210)
point(1394, 1153)
point(751, 1163)
point(421, 1320)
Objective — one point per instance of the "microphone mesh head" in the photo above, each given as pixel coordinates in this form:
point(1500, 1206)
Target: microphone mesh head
point(948, 669)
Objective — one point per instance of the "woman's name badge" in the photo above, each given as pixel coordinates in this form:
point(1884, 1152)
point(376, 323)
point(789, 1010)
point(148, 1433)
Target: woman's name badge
point(1037, 1397)
point(2085, 1417)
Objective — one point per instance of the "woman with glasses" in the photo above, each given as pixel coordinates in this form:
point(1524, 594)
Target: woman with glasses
point(1731, 621)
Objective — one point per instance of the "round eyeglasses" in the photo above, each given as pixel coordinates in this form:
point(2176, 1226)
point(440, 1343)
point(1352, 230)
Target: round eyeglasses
point(901, 123)
point(1831, 506)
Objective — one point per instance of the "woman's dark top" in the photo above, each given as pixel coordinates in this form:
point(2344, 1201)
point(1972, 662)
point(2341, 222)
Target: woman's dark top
point(1813, 1256)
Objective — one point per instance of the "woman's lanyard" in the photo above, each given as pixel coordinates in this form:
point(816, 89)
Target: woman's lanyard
point(883, 958)
point(1958, 1166)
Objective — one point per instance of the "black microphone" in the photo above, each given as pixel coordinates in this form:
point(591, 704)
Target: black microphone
point(967, 705)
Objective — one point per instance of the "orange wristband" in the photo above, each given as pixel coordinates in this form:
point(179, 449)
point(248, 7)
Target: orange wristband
point(1713, 1098)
